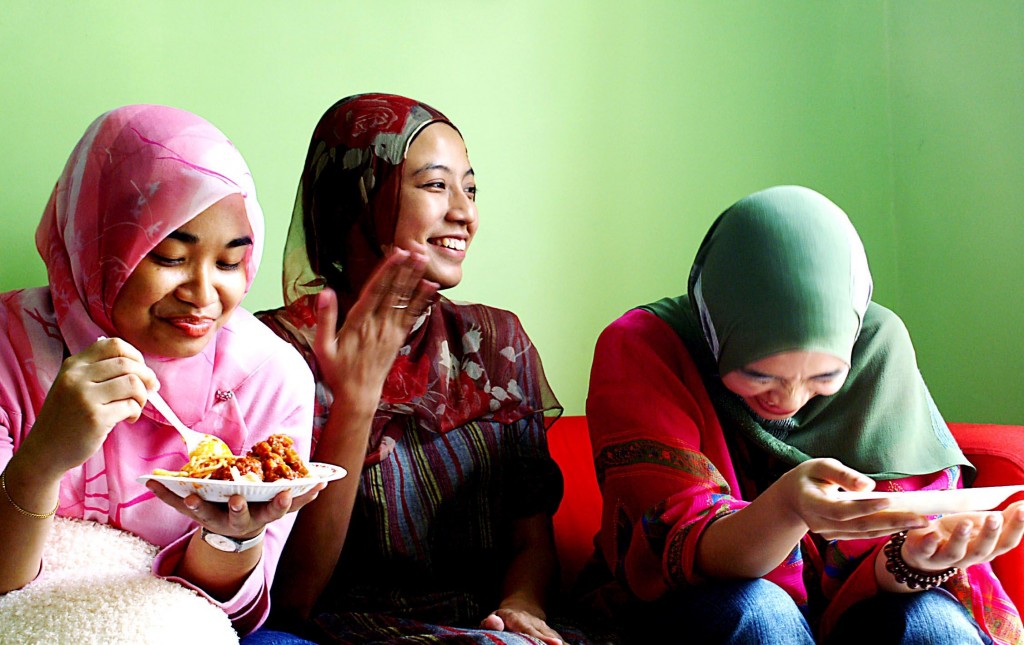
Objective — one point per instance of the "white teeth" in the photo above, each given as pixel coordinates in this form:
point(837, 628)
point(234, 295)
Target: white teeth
point(453, 243)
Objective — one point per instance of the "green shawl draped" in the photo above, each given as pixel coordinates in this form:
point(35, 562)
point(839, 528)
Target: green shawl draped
point(784, 270)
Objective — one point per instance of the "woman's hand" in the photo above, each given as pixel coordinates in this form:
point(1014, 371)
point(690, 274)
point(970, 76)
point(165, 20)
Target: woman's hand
point(963, 539)
point(237, 518)
point(104, 384)
point(807, 491)
point(355, 360)
point(523, 621)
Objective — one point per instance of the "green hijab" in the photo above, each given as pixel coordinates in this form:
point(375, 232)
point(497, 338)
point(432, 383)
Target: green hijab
point(784, 270)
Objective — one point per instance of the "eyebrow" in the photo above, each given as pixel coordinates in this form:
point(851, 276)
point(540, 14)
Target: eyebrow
point(188, 238)
point(440, 166)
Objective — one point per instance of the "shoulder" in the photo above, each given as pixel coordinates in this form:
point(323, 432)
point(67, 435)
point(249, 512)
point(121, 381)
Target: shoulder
point(637, 327)
point(29, 330)
point(470, 311)
point(281, 323)
point(883, 324)
point(262, 353)
point(501, 328)
point(640, 346)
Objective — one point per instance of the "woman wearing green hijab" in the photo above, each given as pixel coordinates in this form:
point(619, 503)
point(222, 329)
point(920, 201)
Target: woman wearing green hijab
point(725, 421)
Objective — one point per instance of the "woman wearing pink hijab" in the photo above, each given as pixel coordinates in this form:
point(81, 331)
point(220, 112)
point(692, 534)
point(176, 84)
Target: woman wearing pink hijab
point(151, 238)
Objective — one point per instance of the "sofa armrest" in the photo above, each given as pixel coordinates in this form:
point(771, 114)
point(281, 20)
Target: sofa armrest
point(997, 451)
point(579, 516)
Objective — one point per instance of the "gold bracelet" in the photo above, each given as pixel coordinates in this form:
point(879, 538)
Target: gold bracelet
point(38, 516)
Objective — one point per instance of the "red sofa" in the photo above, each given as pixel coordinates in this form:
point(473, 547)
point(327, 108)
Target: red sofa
point(997, 452)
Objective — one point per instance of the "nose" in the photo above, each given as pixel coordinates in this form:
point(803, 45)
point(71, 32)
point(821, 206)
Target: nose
point(199, 289)
point(789, 396)
point(462, 209)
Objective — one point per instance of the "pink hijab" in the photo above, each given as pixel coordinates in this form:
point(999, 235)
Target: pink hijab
point(139, 173)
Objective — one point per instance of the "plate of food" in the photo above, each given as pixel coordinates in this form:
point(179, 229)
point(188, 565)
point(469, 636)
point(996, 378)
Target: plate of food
point(270, 467)
point(939, 502)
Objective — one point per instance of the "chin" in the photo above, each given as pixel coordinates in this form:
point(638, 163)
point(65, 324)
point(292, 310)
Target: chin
point(446, 280)
point(177, 347)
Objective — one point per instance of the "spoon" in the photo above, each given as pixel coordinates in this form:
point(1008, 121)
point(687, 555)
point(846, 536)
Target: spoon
point(191, 437)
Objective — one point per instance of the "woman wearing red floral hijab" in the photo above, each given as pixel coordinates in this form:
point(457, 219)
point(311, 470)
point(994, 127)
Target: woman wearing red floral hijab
point(436, 408)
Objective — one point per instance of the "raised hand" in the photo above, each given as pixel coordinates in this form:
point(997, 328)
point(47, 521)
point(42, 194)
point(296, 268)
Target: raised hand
point(355, 360)
point(104, 384)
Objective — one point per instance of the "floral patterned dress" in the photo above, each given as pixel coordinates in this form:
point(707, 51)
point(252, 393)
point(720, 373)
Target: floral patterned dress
point(457, 454)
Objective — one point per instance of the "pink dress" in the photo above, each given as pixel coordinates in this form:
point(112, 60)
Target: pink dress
point(139, 173)
point(271, 392)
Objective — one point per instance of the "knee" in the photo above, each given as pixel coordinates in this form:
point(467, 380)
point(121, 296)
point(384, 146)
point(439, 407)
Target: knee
point(935, 616)
point(926, 617)
point(758, 611)
point(760, 601)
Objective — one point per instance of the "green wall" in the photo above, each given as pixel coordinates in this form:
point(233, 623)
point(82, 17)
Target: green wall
point(958, 174)
point(605, 140)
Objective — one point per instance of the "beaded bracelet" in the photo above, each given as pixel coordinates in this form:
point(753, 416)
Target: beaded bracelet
point(904, 574)
point(38, 516)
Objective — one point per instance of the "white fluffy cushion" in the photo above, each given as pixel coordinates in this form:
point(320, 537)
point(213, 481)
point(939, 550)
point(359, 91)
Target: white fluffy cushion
point(97, 586)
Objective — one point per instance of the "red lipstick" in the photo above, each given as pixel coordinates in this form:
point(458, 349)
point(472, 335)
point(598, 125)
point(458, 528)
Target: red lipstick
point(192, 326)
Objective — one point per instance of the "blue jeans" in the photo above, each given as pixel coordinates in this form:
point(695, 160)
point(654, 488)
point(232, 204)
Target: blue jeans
point(272, 637)
point(745, 611)
point(932, 617)
point(760, 612)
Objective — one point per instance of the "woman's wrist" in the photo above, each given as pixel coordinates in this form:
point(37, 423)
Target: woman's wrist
point(355, 409)
point(345, 434)
point(907, 575)
point(18, 507)
point(27, 479)
point(34, 465)
point(894, 574)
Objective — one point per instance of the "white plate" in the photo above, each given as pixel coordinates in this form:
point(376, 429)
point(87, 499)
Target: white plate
point(217, 490)
point(938, 502)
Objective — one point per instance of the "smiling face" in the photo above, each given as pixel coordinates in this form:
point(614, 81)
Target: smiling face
point(187, 287)
point(437, 204)
point(777, 387)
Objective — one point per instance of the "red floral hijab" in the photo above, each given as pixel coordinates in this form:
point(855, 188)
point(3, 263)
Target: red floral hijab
point(461, 362)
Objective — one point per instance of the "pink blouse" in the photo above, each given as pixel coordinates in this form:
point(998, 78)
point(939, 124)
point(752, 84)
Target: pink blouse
point(259, 397)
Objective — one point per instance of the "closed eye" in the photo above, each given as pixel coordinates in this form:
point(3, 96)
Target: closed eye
point(760, 377)
point(828, 377)
point(165, 261)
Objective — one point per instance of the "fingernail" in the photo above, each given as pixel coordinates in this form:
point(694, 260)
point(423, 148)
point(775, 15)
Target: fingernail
point(191, 504)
